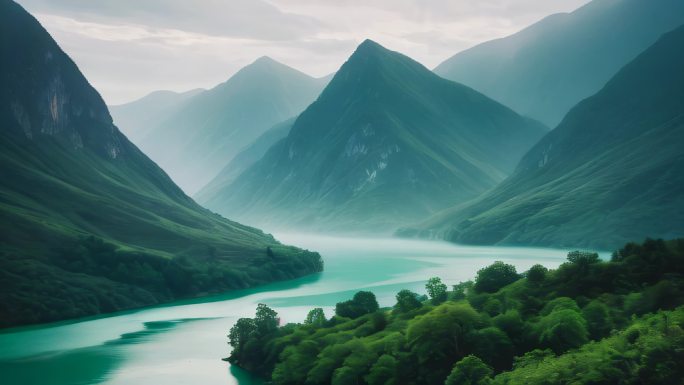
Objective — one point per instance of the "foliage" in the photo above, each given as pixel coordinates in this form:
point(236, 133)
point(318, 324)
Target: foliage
point(316, 317)
point(407, 301)
point(470, 371)
point(546, 332)
point(364, 302)
point(436, 290)
point(494, 277)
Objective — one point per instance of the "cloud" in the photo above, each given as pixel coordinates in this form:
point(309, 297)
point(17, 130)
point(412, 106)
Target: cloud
point(129, 48)
point(255, 19)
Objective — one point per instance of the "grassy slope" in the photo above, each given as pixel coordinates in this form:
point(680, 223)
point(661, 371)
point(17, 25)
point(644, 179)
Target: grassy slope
point(68, 173)
point(609, 172)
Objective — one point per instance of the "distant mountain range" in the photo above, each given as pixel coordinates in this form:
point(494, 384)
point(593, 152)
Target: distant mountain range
point(88, 223)
point(387, 142)
point(609, 173)
point(139, 117)
point(546, 69)
point(243, 160)
point(196, 138)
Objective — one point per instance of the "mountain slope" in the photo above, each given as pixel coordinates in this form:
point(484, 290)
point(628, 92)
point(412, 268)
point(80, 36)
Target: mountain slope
point(243, 160)
point(137, 118)
point(547, 68)
point(611, 171)
point(196, 142)
point(88, 224)
point(386, 142)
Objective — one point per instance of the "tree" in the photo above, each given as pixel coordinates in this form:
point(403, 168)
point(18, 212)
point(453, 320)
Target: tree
point(239, 334)
point(492, 278)
point(537, 274)
point(562, 330)
point(364, 302)
point(383, 372)
point(266, 320)
point(470, 371)
point(438, 338)
point(598, 319)
point(583, 258)
point(436, 290)
point(494, 346)
point(316, 317)
point(460, 290)
point(407, 301)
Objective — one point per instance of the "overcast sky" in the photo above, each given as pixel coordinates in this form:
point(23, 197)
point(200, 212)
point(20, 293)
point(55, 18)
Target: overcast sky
point(128, 48)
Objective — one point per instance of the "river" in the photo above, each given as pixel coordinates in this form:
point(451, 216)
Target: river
point(183, 342)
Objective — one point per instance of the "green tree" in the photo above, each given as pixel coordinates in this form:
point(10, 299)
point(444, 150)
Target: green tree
point(598, 319)
point(241, 332)
point(316, 317)
point(562, 330)
point(383, 371)
point(266, 320)
point(438, 338)
point(494, 346)
point(470, 371)
point(407, 301)
point(363, 303)
point(537, 274)
point(495, 276)
point(583, 258)
point(460, 290)
point(436, 290)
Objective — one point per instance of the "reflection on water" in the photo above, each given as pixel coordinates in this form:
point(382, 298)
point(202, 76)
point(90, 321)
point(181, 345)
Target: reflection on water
point(183, 342)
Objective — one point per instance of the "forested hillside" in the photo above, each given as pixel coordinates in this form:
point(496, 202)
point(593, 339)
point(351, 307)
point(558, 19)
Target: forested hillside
point(587, 322)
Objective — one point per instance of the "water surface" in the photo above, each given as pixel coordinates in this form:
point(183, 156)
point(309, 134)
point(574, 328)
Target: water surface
point(183, 342)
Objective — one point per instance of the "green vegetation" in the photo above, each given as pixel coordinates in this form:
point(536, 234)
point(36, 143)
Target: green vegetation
point(88, 223)
point(386, 136)
point(587, 322)
point(610, 172)
point(550, 66)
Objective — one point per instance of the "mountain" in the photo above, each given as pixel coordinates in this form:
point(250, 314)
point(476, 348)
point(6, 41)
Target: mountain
point(243, 160)
point(195, 142)
point(138, 117)
point(611, 171)
point(88, 223)
point(549, 67)
point(386, 142)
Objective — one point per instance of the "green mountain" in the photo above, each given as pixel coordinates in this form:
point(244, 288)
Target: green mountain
point(88, 224)
point(195, 142)
point(547, 68)
point(243, 160)
point(138, 117)
point(388, 141)
point(611, 171)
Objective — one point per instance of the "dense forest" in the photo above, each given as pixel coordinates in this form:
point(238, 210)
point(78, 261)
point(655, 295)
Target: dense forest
point(91, 276)
point(588, 322)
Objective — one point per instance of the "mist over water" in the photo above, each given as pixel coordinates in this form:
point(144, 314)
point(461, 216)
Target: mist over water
point(183, 342)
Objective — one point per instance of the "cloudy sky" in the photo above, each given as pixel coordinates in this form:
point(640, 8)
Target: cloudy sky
point(128, 48)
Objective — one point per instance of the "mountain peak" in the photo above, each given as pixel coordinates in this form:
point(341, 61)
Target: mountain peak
point(369, 47)
point(266, 60)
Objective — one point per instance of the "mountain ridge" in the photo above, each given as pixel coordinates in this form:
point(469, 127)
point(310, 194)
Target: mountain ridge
point(380, 108)
point(606, 174)
point(545, 69)
point(88, 223)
